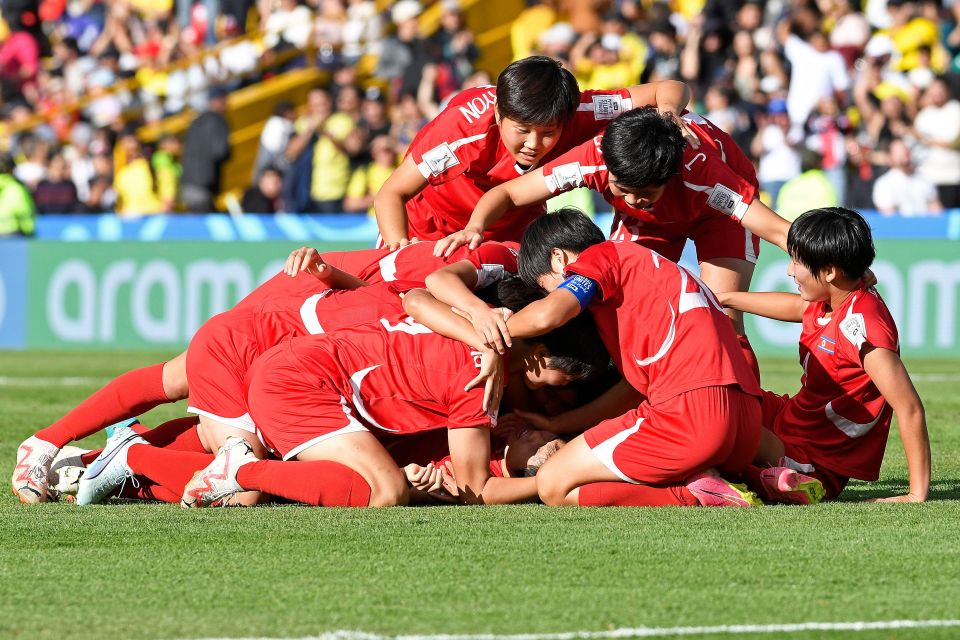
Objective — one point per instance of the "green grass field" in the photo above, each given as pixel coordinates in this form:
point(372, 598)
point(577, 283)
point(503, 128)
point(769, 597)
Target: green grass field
point(158, 571)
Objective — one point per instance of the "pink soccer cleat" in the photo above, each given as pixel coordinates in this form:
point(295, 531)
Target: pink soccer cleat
point(711, 490)
point(787, 485)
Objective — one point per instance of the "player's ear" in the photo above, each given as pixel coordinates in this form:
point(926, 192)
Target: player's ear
point(829, 273)
point(496, 114)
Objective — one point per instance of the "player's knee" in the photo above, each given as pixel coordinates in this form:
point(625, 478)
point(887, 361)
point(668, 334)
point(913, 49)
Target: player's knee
point(390, 495)
point(552, 485)
point(175, 378)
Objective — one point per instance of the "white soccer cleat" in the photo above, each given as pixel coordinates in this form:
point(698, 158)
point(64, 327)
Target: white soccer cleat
point(217, 483)
point(109, 470)
point(65, 483)
point(31, 474)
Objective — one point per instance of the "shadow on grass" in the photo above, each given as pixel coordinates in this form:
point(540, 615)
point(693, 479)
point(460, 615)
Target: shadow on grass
point(858, 491)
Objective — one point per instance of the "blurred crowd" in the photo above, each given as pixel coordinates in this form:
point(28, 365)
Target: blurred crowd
point(837, 101)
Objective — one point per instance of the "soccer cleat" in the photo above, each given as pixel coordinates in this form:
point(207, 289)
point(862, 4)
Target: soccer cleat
point(787, 485)
point(109, 471)
point(711, 490)
point(65, 483)
point(112, 429)
point(31, 474)
point(217, 483)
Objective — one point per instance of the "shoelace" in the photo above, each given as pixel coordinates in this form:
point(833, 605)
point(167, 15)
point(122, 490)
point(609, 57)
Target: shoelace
point(122, 482)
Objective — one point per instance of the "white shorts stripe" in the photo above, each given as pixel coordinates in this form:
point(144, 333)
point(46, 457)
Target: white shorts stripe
point(604, 451)
point(244, 422)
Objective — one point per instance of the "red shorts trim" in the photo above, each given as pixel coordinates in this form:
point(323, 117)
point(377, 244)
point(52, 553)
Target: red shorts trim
point(673, 440)
point(218, 358)
point(715, 236)
point(294, 411)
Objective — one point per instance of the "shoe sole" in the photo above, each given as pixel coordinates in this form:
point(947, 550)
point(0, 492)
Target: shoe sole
point(791, 489)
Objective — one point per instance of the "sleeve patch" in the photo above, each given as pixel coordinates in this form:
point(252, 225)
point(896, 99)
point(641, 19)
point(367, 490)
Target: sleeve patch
point(607, 107)
point(566, 176)
point(489, 274)
point(854, 329)
point(725, 200)
point(440, 158)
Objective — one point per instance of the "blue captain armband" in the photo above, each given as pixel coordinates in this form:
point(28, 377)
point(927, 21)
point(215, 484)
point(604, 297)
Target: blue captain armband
point(583, 288)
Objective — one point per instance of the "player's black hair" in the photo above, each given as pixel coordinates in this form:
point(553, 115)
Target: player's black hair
point(832, 236)
point(575, 348)
point(538, 91)
point(642, 148)
point(568, 229)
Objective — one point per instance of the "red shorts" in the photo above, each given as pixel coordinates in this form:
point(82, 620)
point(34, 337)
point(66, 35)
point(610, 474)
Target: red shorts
point(798, 456)
point(219, 355)
point(293, 411)
point(666, 443)
point(715, 236)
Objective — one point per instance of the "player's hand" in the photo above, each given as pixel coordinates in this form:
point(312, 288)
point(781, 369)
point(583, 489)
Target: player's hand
point(491, 326)
point(449, 481)
point(909, 497)
point(399, 244)
point(869, 278)
point(446, 246)
point(428, 480)
point(491, 376)
point(540, 421)
point(688, 134)
point(305, 259)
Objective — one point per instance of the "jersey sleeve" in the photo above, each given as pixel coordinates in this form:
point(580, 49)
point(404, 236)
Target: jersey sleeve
point(867, 322)
point(601, 264)
point(582, 166)
point(465, 408)
point(722, 190)
point(447, 146)
point(596, 109)
point(493, 261)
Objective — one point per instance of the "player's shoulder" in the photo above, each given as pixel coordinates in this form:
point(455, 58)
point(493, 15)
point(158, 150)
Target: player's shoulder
point(470, 110)
point(867, 319)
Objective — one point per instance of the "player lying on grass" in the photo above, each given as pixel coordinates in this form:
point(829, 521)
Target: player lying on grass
point(487, 136)
point(213, 347)
point(317, 400)
point(835, 428)
point(671, 341)
point(663, 191)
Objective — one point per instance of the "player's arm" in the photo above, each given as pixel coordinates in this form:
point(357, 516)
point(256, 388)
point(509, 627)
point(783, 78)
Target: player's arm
point(761, 220)
point(470, 455)
point(545, 315)
point(437, 316)
point(777, 305)
point(309, 259)
point(886, 370)
point(454, 285)
point(528, 189)
point(614, 402)
point(390, 203)
point(670, 97)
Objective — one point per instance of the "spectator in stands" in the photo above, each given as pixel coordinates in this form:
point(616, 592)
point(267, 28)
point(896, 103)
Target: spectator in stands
point(20, 59)
point(32, 166)
point(455, 42)
point(367, 180)
point(373, 114)
point(56, 193)
point(136, 183)
point(703, 60)
point(264, 196)
point(903, 191)
point(17, 212)
point(102, 196)
point(407, 119)
point(938, 130)
point(776, 144)
point(812, 189)
point(827, 137)
point(816, 72)
point(361, 31)
point(206, 148)
point(167, 170)
point(274, 139)
point(665, 61)
point(288, 26)
point(404, 54)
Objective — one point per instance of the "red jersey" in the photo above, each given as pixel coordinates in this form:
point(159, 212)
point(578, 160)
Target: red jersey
point(664, 328)
point(397, 378)
point(461, 155)
point(839, 417)
point(716, 178)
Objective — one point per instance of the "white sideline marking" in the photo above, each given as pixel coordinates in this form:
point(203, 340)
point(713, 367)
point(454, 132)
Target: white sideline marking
point(639, 632)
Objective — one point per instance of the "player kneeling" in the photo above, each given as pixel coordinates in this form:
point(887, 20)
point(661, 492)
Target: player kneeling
point(835, 428)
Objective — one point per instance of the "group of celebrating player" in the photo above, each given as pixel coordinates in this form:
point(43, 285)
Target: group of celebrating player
point(376, 377)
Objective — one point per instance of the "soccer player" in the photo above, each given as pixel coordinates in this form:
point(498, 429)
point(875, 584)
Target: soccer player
point(836, 426)
point(215, 348)
point(489, 135)
point(663, 191)
point(673, 344)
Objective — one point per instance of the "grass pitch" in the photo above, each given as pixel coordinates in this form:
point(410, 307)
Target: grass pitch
point(158, 571)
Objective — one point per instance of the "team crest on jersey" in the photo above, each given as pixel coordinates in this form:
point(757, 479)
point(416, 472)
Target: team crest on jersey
point(854, 329)
point(827, 345)
point(607, 107)
point(724, 200)
point(568, 176)
point(440, 158)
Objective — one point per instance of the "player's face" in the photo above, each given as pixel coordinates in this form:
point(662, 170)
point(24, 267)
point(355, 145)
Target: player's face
point(637, 198)
point(811, 289)
point(552, 280)
point(537, 376)
point(528, 143)
point(530, 448)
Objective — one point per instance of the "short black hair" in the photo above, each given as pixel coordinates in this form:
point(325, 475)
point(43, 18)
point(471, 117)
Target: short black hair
point(832, 236)
point(567, 228)
point(642, 148)
point(575, 348)
point(538, 91)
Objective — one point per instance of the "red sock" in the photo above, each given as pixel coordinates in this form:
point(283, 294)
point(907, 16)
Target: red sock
point(623, 494)
point(171, 469)
point(149, 491)
point(749, 355)
point(90, 456)
point(179, 434)
point(126, 396)
point(317, 482)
